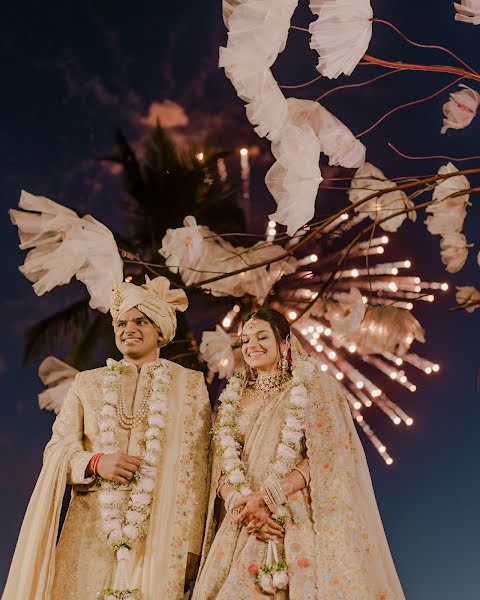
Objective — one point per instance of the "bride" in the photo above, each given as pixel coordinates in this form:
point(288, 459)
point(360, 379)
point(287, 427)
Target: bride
point(300, 520)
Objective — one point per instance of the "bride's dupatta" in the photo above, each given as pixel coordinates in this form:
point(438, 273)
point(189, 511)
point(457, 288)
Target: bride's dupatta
point(334, 545)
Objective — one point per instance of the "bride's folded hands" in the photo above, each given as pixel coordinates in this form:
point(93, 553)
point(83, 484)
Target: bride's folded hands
point(255, 516)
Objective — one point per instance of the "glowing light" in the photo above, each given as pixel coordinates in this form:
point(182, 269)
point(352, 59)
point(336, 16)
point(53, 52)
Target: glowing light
point(430, 298)
point(313, 258)
point(380, 250)
point(394, 271)
point(313, 342)
point(409, 421)
point(352, 348)
point(357, 405)
point(407, 264)
point(393, 286)
point(200, 156)
point(324, 367)
point(399, 361)
point(393, 375)
point(244, 151)
point(397, 420)
point(355, 273)
point(315, 335)
point(226, 322)
point(328, 331)
point(128, 279)
point(389, 460)
point(417, 280)
point(272, 224)
point(359, 384)
point(384, 239)
point(409, 339)
point(332, 355)
point(320, 329)
point(319, 348)
point(376, 393)
point(403, 378)
point(339, 376)
point(413, 388)
point(436, 368)
point(418, 289)
point(236, 308)
point(359, 418)
point(409, 306)
point(428, 370)
point(310, 329)
point(344, 217)
point(272, 231)
point(304, 331)
point(444, 287)
point(364, 299)
point(292, 314)
point(382, 449)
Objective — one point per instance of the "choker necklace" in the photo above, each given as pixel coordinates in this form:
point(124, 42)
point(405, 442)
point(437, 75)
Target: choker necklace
point(267, 384)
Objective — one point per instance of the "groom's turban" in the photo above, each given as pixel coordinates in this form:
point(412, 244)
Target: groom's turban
point(154, 299)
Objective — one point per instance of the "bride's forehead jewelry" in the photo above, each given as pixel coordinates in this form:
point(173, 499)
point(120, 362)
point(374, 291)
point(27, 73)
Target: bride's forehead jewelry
point(250, 324)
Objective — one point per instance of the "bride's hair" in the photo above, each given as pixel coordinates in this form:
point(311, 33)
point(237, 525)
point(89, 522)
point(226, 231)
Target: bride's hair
point(280, 327)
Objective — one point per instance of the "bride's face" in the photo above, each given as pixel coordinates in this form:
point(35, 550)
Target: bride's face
point(259, 346)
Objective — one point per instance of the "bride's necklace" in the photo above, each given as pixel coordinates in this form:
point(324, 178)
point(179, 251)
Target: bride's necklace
point(266, 386)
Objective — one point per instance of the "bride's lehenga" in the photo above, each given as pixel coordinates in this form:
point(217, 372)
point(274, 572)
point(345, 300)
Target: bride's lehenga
point(334, 543)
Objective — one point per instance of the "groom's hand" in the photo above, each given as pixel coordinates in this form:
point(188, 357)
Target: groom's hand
point(117, 467)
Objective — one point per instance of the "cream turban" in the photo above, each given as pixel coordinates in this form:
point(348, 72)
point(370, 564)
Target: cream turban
point(154, 299)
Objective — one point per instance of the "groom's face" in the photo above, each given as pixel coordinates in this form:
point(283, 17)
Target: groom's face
point(135, 335)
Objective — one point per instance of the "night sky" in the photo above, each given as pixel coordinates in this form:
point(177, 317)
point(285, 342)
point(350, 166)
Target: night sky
point(72, 72)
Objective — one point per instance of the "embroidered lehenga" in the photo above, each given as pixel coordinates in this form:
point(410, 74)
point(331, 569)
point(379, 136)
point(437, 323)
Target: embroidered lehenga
point(334, 544)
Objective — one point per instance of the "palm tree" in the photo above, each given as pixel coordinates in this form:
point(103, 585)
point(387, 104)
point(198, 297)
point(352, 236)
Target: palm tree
point(163, 186)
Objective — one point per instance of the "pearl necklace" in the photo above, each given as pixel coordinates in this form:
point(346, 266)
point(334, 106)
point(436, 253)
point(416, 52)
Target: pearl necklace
point(127, 421)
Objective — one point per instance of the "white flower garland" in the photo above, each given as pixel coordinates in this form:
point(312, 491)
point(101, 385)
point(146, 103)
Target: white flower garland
point(124, 527)
point(287, 454)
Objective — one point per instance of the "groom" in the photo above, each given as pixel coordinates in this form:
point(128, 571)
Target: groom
point(132, 439)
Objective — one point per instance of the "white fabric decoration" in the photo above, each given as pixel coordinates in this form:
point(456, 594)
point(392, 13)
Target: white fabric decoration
point(346, 314)
point(448, 214)
point(369, 179)
point(64, 245)
point(58, 376)
point(454, 251)
point(218, 256)
point(468, 11)
point(460, 109)
point(467, 295)
point(183, 245)
point(341, 34)
point(216, 349)
point(258, 32)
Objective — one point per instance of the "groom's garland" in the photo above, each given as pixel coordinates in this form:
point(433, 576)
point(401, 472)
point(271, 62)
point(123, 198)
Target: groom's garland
point(273, 574)
point(123, 527)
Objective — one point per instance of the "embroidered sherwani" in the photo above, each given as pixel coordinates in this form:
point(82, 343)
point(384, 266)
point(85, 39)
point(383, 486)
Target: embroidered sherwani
point(82, 564)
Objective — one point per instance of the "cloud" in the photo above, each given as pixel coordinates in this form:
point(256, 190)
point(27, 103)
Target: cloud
point(170, 114)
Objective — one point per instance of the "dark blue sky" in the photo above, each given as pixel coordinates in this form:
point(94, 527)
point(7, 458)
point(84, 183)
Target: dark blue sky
point(72, 72)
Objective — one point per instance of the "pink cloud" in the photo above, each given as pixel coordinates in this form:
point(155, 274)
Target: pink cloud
point(170, 114)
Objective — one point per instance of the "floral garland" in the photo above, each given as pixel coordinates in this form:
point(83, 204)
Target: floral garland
point(273, 574)
point(122, 527)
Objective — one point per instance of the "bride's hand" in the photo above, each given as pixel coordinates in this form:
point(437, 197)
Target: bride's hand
point(253, 510)
point(270, 531)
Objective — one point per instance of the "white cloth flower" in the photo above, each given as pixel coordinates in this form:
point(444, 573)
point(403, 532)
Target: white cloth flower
point(58, 376)
point(219, 256)
point(294, 178)
point(460, 109)
point(341, 34)
point(453, 251)
point(448, 214)
point(182, 246)
point(346, 314)
point(63, 245)
point(468, 295)
point(216, 349)
point(369, 179)
point(468, 11)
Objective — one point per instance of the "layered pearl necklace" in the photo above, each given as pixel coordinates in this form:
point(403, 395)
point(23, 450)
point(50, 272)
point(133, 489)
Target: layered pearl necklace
point(125, 526)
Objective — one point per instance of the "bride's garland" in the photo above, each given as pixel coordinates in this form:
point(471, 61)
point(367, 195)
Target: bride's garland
point(123, 527)
point(288, 451)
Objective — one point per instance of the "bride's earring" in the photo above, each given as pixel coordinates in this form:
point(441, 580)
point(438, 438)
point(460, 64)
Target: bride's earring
point(284, 361)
